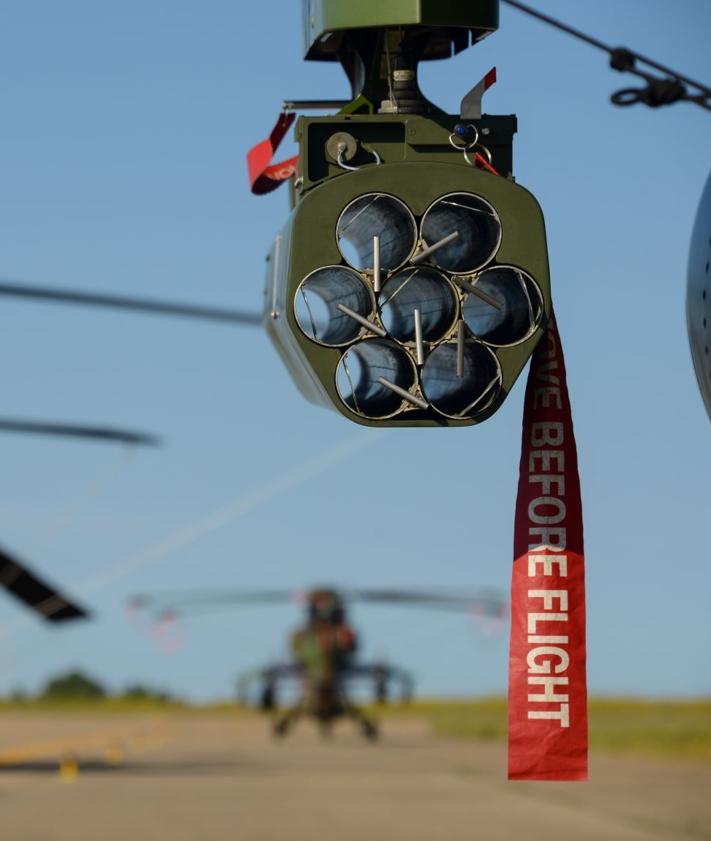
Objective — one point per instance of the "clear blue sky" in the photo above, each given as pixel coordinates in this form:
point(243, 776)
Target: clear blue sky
point(122, 169)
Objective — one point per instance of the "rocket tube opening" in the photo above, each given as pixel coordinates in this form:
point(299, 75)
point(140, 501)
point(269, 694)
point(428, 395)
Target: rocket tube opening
point(376, 215)
point(520, 312)
point(464, 390)
point(317, 301)
point(421, 288)
point(478, 227)
point(360, 370)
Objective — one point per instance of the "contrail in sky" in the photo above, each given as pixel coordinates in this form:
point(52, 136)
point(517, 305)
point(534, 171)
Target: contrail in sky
point(228, 513)
point(234, 510)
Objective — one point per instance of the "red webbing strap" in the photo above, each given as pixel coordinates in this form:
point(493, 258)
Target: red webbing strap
point(263, 175)
point(548, 727)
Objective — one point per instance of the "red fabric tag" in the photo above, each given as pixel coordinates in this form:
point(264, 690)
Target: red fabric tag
point(263, 175)
point(548, 723)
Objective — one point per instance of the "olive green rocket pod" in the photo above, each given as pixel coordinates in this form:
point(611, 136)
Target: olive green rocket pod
point(410, 284)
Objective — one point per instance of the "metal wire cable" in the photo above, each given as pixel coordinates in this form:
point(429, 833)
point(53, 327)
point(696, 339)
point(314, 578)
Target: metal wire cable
point(659, 91)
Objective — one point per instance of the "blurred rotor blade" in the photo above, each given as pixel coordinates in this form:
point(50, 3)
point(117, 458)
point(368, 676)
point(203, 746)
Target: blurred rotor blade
point(124, 302)
point(71, 430)
point(36, 593)
point(196, 600)
point(485, 602)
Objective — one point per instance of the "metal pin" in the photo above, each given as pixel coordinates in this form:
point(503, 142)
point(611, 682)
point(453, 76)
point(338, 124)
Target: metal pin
point(376, 263)
point(470, 287)
point(418, 338)
point(460, 349)
point(364, 321)
point(423, 255)
point(312, 104)
point(404, 393)
point(467, 409)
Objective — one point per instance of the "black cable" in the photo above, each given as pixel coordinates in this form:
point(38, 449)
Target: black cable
point(658, 91)
point(522, 7)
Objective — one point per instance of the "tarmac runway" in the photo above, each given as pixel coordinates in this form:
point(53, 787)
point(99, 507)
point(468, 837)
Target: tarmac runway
point(214, 776)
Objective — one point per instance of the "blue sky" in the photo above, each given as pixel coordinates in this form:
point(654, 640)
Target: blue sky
point(122, 169)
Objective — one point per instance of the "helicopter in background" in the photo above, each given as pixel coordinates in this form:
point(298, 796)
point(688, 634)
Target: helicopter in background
point(324, 662)
point(380, 675)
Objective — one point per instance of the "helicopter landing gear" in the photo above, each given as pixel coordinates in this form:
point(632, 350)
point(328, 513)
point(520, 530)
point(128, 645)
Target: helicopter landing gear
point(280, 728)
point(325, 728)
point(368, 728)
point(282, 725)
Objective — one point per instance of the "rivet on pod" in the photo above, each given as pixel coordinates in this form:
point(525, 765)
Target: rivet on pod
point(520, 306)
point(476, 224)
point(464, 390)
point(316, 305)
point(422, 288)
point(376, 215)
point(366, 374)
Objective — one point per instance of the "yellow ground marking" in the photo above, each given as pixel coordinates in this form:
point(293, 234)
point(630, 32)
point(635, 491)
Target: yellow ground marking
point(68, 768)
point(111, 743)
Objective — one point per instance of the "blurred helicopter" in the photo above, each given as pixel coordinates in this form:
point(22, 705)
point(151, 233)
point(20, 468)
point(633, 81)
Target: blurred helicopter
point(323, 650)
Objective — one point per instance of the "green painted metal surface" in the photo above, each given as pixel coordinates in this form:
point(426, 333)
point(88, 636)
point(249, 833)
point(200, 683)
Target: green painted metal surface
point(324, 17)
point(396, 138)
point(388, 143)
point(309, 242)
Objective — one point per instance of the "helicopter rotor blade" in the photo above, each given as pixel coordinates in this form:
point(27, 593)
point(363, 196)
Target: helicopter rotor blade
point(125, 302)
point(36, 593)
point(179, 602)
point(487, 602)
point(71, 430)
point(484, 602)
